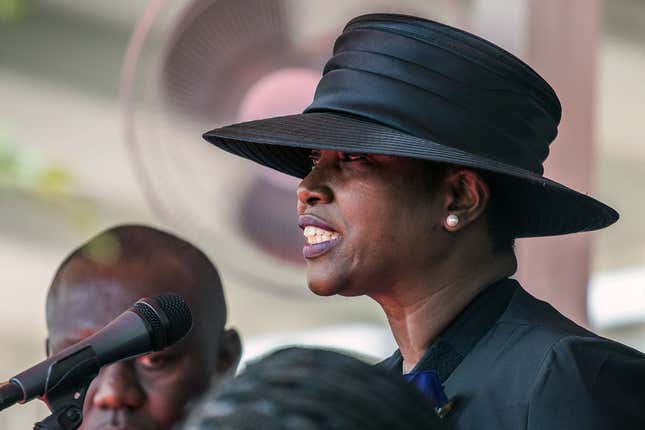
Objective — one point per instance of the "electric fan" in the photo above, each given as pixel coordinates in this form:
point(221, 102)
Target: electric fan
point(194, 65)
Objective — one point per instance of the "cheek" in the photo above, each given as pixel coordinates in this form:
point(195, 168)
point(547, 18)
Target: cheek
point(388, 229)
point(168, 392)
point(375, 224)
point(372, 241)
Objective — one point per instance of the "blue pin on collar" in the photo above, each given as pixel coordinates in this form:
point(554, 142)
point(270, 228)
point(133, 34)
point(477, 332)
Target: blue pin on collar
point(430, 385)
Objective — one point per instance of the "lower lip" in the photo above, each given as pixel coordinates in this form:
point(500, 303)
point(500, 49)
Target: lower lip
point(317, 249)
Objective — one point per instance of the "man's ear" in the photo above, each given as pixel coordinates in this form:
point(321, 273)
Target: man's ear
point(230, 352)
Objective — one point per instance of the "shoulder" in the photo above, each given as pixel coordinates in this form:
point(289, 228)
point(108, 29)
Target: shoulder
point(589, 382)
point(591, 359)
point(532, 328)
point(539, 326)
point(524, 309)
point(580, 380)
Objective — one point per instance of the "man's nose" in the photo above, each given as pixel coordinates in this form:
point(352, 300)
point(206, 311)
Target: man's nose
point(314, 189)
point(117, 387)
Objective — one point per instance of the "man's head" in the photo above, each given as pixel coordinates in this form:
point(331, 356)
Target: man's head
point(299, 388)
point(106, 276)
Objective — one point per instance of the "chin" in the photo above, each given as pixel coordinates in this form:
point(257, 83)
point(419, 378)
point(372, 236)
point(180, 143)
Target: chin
point(324, 289)
point(326, 286)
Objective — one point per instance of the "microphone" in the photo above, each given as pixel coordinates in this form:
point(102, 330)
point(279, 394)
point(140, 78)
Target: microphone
point(150, 325)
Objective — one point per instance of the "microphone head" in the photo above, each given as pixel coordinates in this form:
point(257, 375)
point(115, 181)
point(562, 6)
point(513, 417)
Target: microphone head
point(167, 316)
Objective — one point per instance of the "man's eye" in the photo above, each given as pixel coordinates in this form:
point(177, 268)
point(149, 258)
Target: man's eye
point(154, 361)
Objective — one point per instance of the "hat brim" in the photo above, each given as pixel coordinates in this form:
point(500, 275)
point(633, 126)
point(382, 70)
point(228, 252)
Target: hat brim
point(541, 207)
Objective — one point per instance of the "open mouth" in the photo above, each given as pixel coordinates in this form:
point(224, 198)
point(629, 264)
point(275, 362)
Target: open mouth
point(319, 237)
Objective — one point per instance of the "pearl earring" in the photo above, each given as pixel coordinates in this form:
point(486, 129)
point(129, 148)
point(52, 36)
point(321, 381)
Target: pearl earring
point(452, 220)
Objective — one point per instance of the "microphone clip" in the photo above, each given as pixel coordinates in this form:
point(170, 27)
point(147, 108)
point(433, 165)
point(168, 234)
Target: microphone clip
point(67, 383)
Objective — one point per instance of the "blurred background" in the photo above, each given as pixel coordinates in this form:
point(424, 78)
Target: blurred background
point(102, 105)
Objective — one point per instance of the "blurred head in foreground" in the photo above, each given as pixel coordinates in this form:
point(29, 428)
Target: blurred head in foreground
point(310, 389)
point(103, 278)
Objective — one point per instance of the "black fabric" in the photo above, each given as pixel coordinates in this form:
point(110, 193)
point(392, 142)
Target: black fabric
point(404, 86)
point(535, 369)
point(421, 90)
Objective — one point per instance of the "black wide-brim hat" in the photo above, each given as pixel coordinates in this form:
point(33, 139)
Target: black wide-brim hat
point(409, 87)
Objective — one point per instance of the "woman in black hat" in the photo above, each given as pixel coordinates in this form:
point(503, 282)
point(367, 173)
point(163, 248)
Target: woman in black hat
point(421, 157)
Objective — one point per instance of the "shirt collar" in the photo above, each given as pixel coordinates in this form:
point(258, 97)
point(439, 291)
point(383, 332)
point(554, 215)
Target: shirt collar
point(463, 333)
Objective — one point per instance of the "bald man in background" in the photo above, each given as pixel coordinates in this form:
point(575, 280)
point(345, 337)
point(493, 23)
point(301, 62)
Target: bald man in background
point(103, 278)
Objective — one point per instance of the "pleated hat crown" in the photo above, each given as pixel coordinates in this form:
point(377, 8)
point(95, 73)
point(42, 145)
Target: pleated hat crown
point(441, 84)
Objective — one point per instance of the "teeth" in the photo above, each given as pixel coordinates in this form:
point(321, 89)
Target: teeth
point(318, 235)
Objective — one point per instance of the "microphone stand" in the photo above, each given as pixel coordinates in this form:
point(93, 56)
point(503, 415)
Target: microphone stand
point(67, 412)
point(66, 387)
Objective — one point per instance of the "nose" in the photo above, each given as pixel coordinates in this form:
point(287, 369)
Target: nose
point(117, 387)
point(314, 190)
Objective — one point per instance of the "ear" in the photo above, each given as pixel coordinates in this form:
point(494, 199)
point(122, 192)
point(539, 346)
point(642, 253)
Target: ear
point(466, 198)
point(229, 353)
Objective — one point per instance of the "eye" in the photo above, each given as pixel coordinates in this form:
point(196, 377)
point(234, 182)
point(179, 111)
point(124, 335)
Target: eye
point(155, 361)
point(352, 156)
point(314, 156)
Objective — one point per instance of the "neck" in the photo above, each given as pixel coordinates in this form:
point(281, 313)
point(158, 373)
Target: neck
point(419, 308)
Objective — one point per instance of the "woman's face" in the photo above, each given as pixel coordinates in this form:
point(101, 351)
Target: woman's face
point(368, 221)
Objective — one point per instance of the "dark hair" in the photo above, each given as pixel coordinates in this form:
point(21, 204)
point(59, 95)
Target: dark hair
point(311, 389)
point(500, 224)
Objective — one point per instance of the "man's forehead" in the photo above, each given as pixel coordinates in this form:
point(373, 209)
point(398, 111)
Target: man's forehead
point(90, 304)
point(90, 298)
